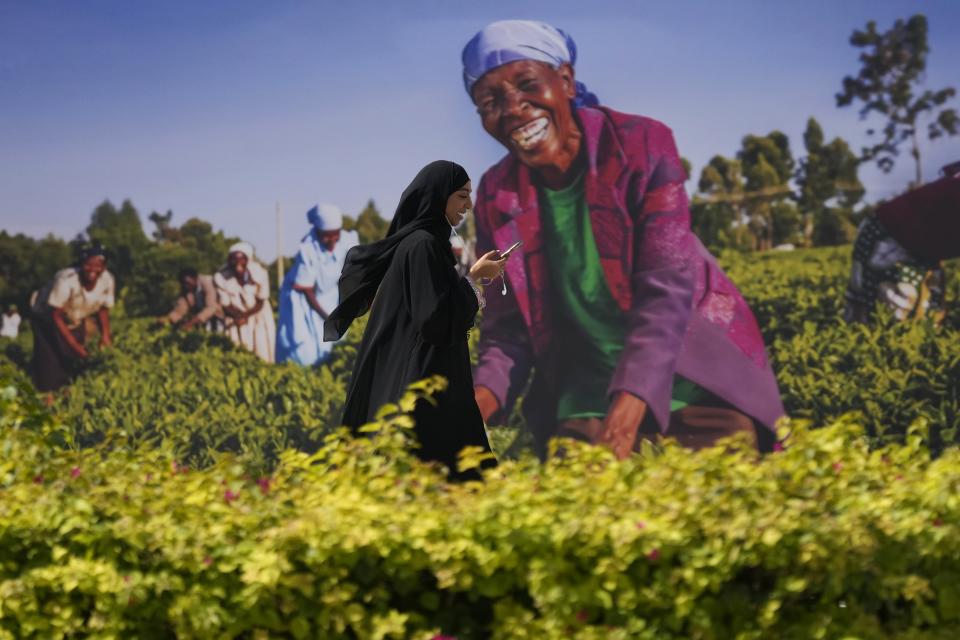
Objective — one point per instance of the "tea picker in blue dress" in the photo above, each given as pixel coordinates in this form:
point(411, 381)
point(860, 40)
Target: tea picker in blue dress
point(309, 291)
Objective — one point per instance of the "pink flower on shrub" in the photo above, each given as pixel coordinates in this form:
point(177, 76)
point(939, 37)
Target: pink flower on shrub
point(440, 636)
point(641, 524)
point(899, 477)
point(75, 472)
point(938, 522)
point(38, 479)
point(207, 561)
point(837, 466)
point(582, 616)
point(777, 447)
point(653, 555)
point(230, 496)
point(264, 484)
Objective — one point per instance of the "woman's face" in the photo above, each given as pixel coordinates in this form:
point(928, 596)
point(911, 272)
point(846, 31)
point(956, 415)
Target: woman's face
point(525, 105)
point(458, 204)
point(328, 239)
point(188, 284)
point(237, 261)
point(91, 269)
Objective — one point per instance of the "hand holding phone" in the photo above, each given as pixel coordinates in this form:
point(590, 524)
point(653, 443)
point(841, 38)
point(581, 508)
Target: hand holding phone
point(490, 265)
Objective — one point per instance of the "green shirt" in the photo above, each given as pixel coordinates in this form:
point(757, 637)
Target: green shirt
point(593, 327)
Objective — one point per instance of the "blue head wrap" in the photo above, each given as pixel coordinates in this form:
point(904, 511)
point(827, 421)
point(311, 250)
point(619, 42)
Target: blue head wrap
point(510, 40)
point(325, 217)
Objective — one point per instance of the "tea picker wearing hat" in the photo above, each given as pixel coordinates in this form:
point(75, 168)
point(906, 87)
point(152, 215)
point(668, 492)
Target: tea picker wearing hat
point(309, 291)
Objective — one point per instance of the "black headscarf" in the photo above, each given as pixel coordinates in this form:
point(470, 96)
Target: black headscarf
point(90, 250)
point(422, 206)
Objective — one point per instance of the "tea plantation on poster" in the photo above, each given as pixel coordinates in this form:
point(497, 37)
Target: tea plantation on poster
point(184, 489)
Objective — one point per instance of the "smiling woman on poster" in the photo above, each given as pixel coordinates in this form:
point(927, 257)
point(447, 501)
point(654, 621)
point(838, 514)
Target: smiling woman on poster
point(628, 323)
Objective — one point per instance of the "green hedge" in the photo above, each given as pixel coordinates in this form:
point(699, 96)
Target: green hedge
point(788, 290)
point(827, 539)
point(200, 395)
point(891, 374)
point(162, 498)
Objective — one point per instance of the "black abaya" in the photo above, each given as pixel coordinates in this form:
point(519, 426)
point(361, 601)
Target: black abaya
point(420, 313)
point(418, 328)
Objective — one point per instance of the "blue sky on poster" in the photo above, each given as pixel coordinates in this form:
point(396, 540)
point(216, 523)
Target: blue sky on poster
point(219, 109)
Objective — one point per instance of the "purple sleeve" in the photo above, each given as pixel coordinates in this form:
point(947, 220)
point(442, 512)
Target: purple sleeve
point(662, 281)
point(505, 355)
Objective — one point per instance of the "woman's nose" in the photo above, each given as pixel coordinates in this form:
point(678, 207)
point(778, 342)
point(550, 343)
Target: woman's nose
point(513, 101)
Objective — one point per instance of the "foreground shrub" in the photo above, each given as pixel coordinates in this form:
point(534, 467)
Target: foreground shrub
point(826, 539)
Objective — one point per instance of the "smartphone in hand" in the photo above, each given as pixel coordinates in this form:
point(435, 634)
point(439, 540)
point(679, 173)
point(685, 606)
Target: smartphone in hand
point(514, 246)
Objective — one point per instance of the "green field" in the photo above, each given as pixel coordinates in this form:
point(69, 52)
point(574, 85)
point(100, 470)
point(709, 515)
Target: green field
point(182, 488)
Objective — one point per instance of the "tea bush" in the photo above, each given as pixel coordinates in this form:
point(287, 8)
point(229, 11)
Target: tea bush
point(203, 396)
point(826, 539)
point(199, 394)
point(891, 373)
point(788, 290)
point(181, 488)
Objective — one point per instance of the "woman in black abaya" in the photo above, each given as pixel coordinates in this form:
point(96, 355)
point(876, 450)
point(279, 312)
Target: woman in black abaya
point(421, 313)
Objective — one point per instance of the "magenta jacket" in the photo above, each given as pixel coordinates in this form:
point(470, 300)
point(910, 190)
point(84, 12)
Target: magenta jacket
point(684, 315)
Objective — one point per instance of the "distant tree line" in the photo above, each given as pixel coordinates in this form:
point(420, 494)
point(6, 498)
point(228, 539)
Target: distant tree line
point(762, 197)
point(145, 266)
